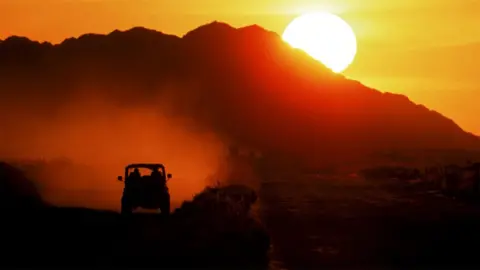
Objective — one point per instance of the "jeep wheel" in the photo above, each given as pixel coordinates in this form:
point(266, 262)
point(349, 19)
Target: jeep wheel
point(165, 207)
point(126, 210)
point(126, 207)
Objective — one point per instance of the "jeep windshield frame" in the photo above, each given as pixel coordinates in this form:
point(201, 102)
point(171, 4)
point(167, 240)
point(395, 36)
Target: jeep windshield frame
point(150, 166)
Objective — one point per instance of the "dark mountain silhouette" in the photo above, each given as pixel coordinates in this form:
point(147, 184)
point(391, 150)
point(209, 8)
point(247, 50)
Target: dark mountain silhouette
point(245, 83)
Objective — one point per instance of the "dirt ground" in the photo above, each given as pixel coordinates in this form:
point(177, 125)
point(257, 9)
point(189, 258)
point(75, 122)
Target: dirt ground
point(350, 223)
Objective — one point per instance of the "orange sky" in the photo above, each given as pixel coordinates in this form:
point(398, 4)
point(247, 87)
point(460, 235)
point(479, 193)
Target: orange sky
point(426, 49)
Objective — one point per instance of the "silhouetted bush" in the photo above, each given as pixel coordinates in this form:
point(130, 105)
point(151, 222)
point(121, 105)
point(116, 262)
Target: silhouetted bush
point(16, 190)
point(218, 223)
point(458, 181)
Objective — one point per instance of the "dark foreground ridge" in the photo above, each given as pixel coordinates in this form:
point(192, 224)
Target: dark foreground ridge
point(353, 223)
point(215, 229)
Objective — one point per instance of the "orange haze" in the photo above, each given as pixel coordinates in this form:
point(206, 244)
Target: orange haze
point(91, 131)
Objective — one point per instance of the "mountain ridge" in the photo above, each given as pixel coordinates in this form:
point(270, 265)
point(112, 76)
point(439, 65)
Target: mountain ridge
point(250, 83)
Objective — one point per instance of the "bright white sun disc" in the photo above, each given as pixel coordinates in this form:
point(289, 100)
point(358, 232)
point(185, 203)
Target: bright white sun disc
point(325, 37)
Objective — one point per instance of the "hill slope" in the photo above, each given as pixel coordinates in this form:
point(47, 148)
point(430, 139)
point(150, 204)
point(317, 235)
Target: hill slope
point(246, 84)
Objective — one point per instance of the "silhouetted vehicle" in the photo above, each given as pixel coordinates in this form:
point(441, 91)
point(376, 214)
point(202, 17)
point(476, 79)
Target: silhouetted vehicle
point(148, 191)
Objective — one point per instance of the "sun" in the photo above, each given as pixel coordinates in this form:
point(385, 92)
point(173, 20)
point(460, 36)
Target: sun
point(325, 37)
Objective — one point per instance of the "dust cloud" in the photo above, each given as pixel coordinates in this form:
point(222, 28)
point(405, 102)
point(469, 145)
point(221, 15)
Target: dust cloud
point(101, 137)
